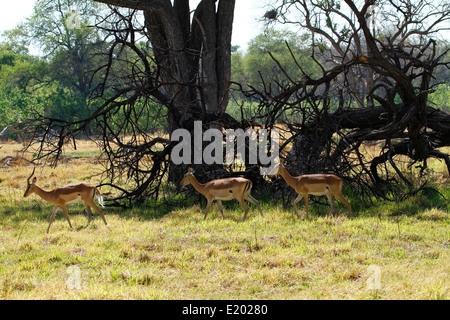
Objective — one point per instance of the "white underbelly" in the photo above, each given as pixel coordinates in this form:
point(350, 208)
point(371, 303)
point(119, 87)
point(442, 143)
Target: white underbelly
point(77, 199)
point(322, 193)
point(229, 197)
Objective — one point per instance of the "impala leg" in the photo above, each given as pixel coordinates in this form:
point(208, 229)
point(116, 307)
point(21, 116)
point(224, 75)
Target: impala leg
point(89, 212)
point(255, 202)
point(345, 202)
point(66, 214)
point(297, 200)
point(100, 211)
point(52, 217)
point(332, 203)
point(244, 205)
point(306, 205)
point(208, 205)
point(221, 208)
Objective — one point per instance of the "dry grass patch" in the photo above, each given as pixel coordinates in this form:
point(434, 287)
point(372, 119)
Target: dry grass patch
point(182, 256)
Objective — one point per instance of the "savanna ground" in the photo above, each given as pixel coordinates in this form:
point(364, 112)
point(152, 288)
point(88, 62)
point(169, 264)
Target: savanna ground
point(388, 251)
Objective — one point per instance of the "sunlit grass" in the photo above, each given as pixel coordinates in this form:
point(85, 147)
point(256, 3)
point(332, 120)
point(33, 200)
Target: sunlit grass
point(146, 253)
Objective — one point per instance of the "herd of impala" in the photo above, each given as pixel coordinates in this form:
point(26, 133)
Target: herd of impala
point(239, 188)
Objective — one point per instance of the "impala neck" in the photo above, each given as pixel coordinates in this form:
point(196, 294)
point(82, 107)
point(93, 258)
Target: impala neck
point(290, 180)
point(197, 185)
point(41, 192)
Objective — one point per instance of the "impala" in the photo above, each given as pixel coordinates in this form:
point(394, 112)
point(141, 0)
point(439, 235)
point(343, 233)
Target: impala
point(223, 189)
point(328, 185)
point(67, 194)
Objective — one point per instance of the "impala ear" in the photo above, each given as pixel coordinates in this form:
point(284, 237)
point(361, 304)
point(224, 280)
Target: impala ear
point(33, 181)
point(190, 170)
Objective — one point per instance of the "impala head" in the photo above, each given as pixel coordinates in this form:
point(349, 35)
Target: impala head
point(30, 185)
point(187, 178)
point(276, 169)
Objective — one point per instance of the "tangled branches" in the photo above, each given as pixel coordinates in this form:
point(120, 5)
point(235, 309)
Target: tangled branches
point(373, 88)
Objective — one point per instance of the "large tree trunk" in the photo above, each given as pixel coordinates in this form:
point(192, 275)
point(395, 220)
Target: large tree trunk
point(193, 57)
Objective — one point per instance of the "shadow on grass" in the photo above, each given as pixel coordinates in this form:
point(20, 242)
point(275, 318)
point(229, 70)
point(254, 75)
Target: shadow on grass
point(37, 211)
point(156, 210)
point(418, 204)
point(413, 206)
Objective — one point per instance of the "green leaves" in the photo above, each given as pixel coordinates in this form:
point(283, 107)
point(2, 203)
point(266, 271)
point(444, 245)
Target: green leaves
point(256, 65)
point(57, 85)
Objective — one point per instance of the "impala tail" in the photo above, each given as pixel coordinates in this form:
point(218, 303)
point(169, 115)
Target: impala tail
point(99, 197)
point(248, 188)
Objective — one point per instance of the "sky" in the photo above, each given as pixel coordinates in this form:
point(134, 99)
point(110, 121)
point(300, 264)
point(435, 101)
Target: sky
point(245, 26)
point(14, 12)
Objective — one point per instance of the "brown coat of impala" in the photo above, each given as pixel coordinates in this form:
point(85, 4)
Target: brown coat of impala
point(328, 185)
point(67, 194)
point(222, 189)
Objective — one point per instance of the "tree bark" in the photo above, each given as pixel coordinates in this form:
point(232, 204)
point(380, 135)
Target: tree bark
point(194, 57)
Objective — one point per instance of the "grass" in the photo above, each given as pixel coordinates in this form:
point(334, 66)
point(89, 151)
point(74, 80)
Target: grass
point(388, 251)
